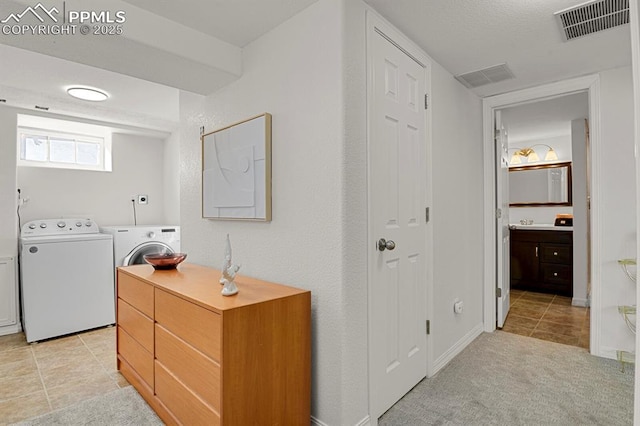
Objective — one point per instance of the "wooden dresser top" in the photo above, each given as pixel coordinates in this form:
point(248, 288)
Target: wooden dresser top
point(200, 284)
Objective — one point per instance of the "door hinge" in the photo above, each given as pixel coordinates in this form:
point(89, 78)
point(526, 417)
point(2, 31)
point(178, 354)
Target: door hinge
point(498, 213)
point(498, 292)
point(428, 326)
point(426, 214)
point(426, 101)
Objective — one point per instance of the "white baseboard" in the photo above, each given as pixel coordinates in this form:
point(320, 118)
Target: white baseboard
point(457, 348)
point(10, 329)
point(608, 352)
point(366, 421)
point(439, 364)
point(580, 302)
point(317, 422)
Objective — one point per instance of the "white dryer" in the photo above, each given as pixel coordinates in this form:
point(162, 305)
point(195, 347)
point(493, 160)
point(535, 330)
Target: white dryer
point(131, 243)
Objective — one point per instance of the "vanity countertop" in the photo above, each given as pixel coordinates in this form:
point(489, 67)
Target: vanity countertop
point(541, 227)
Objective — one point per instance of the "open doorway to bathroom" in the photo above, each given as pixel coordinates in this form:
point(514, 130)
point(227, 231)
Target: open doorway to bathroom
point(549, 256)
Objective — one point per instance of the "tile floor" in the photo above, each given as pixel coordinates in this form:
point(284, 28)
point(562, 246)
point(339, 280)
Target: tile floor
point(42, 377)
point(548, 317)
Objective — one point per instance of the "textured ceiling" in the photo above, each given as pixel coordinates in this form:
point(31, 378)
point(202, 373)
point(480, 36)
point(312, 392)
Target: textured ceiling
point(461, 35)
point(237, 22)
point(43, 80)
point(468, 35)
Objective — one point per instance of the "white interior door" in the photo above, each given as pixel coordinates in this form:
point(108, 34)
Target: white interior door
point(503, 254)
point(397, 190)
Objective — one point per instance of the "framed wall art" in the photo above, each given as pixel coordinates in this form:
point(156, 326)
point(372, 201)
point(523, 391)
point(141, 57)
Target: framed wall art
point(236, 171)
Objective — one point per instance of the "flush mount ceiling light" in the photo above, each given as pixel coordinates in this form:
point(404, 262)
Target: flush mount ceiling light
point(531, 155)
point(87, 93)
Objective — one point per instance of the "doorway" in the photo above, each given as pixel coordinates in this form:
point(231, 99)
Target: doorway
point(547, 146)
point(588, 88)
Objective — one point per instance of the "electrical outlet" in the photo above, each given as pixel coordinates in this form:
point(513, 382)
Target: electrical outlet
point(458, 306)
point(143, 199)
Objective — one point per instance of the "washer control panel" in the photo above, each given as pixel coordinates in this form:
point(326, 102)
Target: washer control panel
point(59, 227)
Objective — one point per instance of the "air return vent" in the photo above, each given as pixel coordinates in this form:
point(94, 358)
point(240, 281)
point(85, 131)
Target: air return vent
point(484, 76)
point(591, 17)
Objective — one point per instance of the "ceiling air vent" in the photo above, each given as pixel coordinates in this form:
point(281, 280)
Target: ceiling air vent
point(591, 17)
point(484, 76)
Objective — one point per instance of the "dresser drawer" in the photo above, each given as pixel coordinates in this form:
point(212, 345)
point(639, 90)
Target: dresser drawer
point(136, 293)
point(184, 404)
point(138, 325)
point(196, 325)
point(138, 357)
point(557, 274)
point(194, 369)
point(556, 254)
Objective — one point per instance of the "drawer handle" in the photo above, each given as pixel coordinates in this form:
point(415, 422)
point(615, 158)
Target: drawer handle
point(536, 251)
point(555, 274)
point(555, 253)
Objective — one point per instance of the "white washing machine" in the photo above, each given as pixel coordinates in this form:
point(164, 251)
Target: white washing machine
point(67, 273)
point(131, 243)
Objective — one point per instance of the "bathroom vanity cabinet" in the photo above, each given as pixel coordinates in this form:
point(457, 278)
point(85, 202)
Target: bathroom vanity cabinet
point(198, 357)
point(542, 261)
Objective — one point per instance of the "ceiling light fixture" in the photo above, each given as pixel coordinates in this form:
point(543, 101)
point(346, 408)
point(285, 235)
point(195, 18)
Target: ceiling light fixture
point(87, 93)
point(531, 155)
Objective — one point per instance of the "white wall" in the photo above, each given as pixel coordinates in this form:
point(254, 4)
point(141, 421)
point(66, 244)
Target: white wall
point(8, 194)
point(293, 72)
point(457, 214)
point(310, 74)
point(102, 196)
point(634, 12)
point(354, 195)
point(171, 178)
point(618, 206)
point(317, 239)
point(539, 215)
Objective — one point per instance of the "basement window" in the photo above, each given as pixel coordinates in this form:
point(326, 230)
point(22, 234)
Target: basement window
point(57, 148)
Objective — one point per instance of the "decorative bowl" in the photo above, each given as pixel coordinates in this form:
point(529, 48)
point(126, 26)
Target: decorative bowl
point(165, 260)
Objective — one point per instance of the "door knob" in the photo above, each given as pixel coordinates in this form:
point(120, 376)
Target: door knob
point(385, 245)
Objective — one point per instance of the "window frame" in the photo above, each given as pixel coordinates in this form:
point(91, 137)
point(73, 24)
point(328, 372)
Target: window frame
point(103, 141)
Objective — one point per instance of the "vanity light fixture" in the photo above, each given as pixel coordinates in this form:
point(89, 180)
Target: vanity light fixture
point(87, 93)
point(531, 155)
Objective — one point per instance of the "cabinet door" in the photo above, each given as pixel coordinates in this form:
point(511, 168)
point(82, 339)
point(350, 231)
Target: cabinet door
point(7, 292)
point(524, 261)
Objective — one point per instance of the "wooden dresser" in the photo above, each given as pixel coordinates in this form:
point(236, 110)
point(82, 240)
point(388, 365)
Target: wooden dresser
point(542, 260)
point(199, 358)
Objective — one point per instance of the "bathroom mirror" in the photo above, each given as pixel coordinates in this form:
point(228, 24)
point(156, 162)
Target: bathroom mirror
point(540, 185)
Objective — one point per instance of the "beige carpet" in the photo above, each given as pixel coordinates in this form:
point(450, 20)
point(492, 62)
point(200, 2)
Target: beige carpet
point(122, 407)
point(499, 379)
point(506, 379)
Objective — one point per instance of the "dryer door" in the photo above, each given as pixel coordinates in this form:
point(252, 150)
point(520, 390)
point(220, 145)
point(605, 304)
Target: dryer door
point(136, 257)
